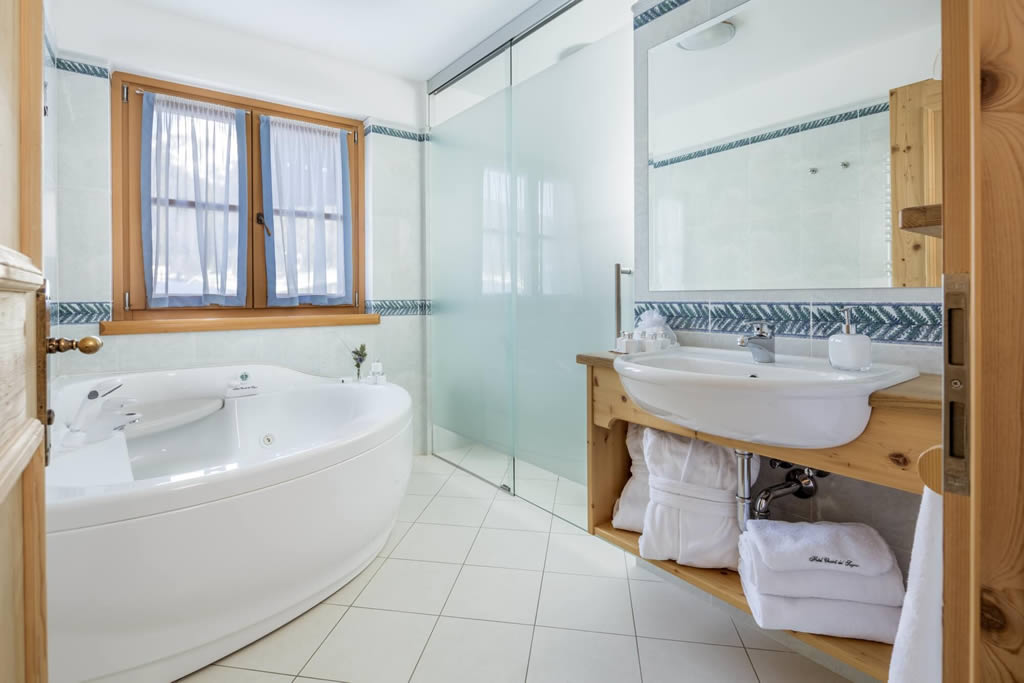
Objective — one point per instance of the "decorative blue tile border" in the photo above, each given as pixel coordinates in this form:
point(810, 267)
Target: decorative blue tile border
point(79, 312)
point(773, 134)
point(888, 323)
point(86, 312)
point(791, 319)
point(892, 323)
point(389, 307)
point(82, 68)
point(396, 133)
point(680, 315)
point(659, 10)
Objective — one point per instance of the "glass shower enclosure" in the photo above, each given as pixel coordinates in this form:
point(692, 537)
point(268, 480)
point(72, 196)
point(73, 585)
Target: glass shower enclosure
point(530, 208)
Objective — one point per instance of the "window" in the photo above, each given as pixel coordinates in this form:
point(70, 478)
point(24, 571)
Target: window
point(232, 213)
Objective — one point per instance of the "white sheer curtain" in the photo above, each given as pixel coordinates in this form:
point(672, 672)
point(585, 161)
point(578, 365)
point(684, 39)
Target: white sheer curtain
point(194, 202)
point(306, 203)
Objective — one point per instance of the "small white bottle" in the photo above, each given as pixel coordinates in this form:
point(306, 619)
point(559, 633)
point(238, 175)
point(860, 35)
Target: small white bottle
point(848, 350)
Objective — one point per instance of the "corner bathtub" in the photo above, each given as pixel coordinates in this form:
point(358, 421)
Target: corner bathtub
point(215, 520)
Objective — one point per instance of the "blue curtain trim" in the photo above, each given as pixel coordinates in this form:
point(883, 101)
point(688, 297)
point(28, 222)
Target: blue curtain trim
point(397, 133)
point(773, 134)
point(389, 307)
point(890, 323)
point(81, 68)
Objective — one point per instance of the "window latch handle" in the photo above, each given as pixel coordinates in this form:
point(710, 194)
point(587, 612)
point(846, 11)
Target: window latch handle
point(261, 221)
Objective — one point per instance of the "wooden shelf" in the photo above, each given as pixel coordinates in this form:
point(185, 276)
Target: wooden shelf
point(864, 655)
point(924, 220)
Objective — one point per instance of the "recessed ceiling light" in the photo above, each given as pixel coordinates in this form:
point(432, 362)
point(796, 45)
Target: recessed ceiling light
point(713, 36)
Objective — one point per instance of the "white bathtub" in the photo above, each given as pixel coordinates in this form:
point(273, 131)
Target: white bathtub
point(169, 549)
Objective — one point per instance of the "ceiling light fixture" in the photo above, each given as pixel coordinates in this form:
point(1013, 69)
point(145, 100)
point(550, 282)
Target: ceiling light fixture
point(711, 37)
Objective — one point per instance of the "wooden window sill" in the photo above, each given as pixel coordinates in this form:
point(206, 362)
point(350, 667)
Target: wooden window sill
point(112, 327)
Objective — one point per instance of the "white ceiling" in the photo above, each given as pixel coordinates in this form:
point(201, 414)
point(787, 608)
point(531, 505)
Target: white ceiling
point(410, 38)
point(777, 36)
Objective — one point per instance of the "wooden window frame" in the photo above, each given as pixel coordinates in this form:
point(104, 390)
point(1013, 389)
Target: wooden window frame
point(126, 143)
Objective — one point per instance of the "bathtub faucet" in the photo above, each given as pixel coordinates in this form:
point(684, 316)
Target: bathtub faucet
point(97, 418)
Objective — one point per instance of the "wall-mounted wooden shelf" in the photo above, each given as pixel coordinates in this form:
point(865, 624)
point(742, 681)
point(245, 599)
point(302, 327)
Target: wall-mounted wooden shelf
point(924, 220)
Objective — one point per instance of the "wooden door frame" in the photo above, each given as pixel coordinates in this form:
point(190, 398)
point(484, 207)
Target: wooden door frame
point(983, 217)
point(25, 276)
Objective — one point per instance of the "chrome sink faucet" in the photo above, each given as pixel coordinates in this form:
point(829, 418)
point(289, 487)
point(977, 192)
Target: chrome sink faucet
point(761, 343)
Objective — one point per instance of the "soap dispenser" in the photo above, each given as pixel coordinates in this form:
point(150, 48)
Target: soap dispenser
point(848, 350)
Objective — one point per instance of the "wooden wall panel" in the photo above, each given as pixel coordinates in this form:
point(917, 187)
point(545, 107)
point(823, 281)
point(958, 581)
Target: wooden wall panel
point(915, 125)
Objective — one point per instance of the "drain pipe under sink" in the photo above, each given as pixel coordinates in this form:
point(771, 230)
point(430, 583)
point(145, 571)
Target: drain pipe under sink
point(743, 484)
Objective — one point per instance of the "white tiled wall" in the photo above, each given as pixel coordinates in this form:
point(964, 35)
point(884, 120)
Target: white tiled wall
point(760, 211)
point(395, 257)
point(83, 187)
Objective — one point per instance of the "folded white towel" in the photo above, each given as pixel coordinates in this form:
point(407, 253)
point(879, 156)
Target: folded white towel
point(631, 506)
point(691, 517)
point(826, 617)
point(917, 652)
point(847, 548)
point(883, 589)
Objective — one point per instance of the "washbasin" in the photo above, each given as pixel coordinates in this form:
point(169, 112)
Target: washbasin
point(797, 402)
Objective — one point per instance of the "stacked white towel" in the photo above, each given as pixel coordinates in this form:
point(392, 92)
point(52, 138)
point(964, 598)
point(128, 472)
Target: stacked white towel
point(691, 516)
point(632, 504)
point(827, 578)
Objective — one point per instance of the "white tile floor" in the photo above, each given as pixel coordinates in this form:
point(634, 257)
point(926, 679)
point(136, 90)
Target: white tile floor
point(475, 586)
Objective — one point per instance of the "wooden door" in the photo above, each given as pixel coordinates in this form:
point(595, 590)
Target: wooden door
point(915, 134)
point(22, 506)
point(983, 235)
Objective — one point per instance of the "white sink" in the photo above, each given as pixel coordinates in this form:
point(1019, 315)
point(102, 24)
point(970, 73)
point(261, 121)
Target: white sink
point(796, 402)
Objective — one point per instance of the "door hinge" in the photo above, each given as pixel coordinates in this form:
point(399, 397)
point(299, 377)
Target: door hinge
point(956, 397)
point(355, 136)
point(127, 302)
point(357, 299)
point(124, 93)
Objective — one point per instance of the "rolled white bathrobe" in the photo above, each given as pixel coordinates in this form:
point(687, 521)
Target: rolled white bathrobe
point(631, 506)
point(691, 517)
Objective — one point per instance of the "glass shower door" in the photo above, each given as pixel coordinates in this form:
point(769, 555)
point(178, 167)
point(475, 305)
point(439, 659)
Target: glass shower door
point(571, 154)
point(473, 301)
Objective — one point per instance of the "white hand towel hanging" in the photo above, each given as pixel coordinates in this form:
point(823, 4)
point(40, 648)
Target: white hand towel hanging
point(917, 652)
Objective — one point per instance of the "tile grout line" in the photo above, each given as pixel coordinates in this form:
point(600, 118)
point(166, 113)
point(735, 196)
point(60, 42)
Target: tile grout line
point(349, 607)
point(632, 614)
point(540, 591)
point(450, 590)
point(745, 650)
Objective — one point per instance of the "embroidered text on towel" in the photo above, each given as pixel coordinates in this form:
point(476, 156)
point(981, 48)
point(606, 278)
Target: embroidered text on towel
point(828, 560)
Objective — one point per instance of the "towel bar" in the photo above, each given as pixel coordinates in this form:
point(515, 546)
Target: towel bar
point(929, 467)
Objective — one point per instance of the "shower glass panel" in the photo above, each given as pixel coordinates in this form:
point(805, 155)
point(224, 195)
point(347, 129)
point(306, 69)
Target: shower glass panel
point(571, 154)
point(472, 313)
point(531, 206)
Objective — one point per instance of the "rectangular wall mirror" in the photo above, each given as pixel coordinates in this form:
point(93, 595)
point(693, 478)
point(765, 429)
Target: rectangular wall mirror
point(776, 163)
